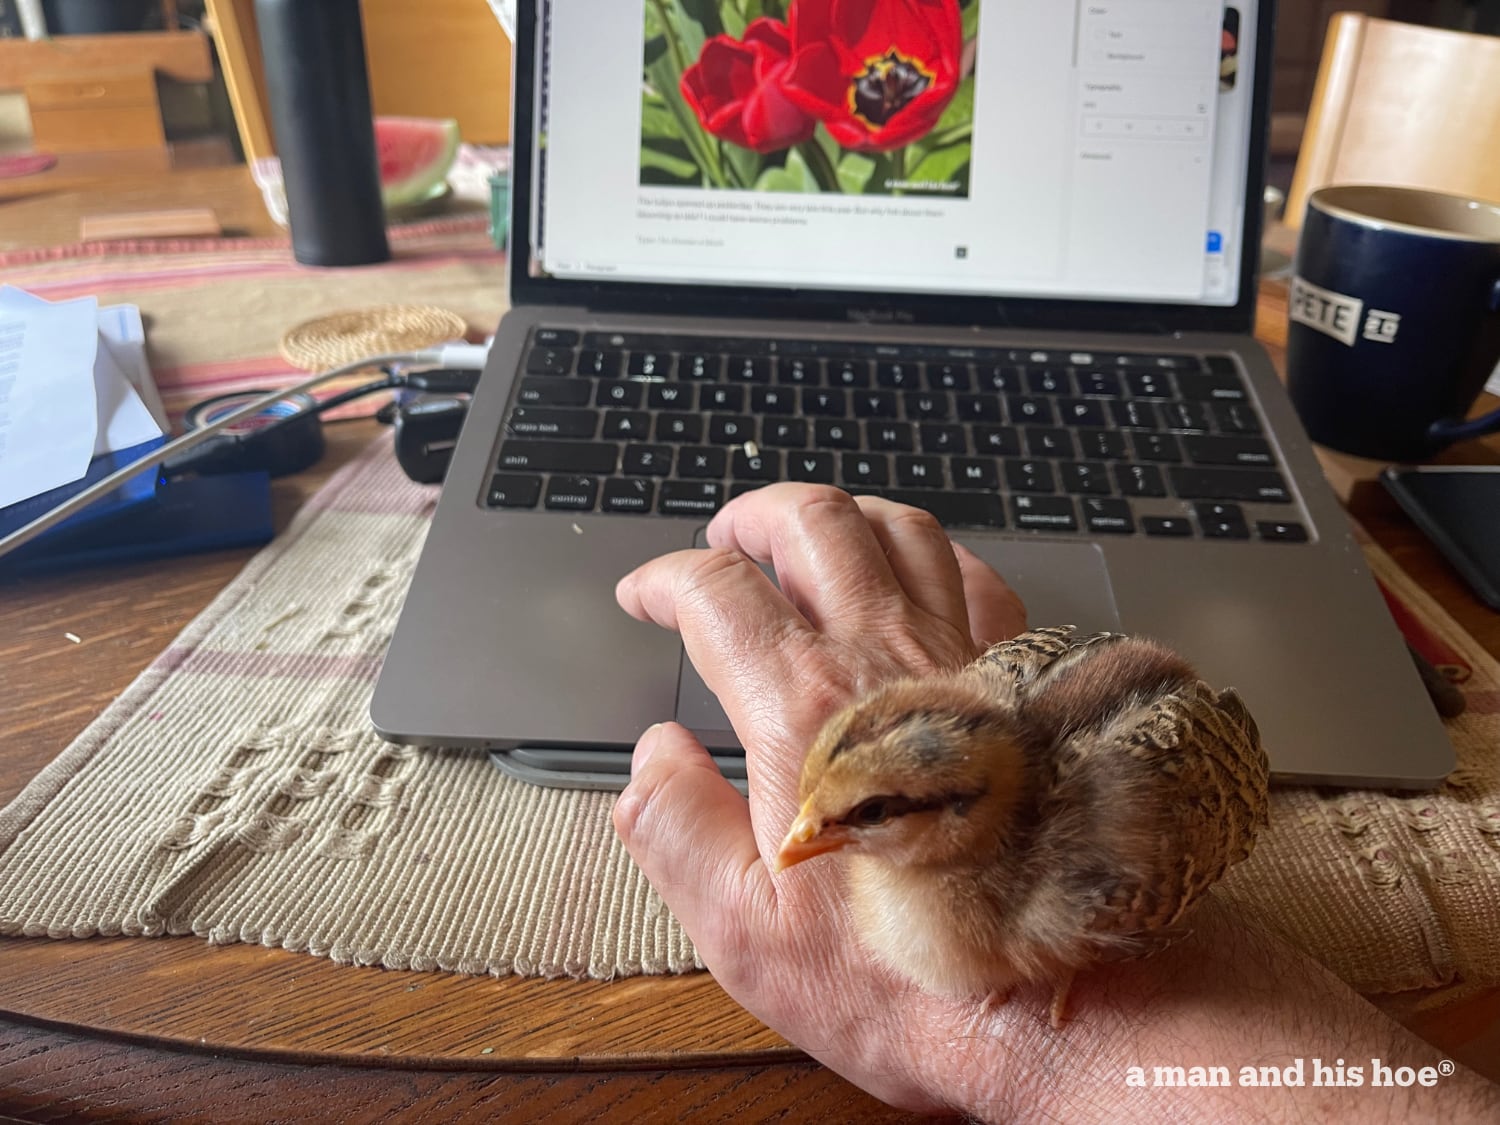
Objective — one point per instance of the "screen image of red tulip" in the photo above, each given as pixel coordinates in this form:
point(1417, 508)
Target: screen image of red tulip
point(737, 89)
point(877, 73)
point(851, 96)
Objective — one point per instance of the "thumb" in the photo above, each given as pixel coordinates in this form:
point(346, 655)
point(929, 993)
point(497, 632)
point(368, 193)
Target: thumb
point(689, 831)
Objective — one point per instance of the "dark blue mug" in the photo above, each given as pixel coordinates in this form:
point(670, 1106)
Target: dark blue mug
point(1394, 319)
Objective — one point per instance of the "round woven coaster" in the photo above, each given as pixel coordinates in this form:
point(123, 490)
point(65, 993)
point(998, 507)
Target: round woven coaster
point(344, 337)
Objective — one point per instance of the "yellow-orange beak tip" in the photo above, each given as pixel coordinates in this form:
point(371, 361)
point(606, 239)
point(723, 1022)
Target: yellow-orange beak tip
point(806, 840)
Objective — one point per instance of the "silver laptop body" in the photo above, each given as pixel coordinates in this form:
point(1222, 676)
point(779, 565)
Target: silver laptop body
point(510, 639)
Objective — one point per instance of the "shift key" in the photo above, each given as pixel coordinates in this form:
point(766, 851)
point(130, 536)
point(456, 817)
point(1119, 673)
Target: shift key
point(1265, 485)
point(559, 456)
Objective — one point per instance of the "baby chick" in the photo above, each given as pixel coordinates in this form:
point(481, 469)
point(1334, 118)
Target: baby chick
point(1062, 801)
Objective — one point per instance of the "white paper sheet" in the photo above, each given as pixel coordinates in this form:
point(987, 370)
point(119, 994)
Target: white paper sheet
point(48, 417)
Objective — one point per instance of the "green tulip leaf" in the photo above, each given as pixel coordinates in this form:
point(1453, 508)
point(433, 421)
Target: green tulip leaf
point(960, 111)
point(943, 165)
point(854, 172)
point(677, 168)
point(970, 20)
point(657, 119)
point(777, 178)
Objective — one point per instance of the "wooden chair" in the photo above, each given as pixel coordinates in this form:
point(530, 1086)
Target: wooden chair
point(1400, 104)
point(438, 58)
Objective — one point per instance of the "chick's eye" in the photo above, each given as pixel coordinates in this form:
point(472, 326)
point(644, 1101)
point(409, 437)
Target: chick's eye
point(877, 810)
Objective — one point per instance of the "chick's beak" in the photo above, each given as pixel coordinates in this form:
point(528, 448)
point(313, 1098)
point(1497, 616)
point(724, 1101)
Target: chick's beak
point(807, 839)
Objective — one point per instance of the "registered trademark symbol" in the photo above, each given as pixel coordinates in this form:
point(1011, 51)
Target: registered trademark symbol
point(1445, 1068)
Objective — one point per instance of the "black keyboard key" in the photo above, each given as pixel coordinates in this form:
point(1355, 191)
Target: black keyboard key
point(814, 466)
point(1044, 513)
point(1082, 412)
point(1220, 364)
point(671, 396)
point(727, 399)
point(1173, 526)
point(1265, 485)
point(876, 404)
point(1235, 417)
point(1155, 447)
point(1086, 478)
point(1186, 416)
point(942, 437)
point(997, 441)
point(549, 361)
point(949, 377)
point(620, 393)
point(513, 490)
point(1159, 361)
point(787, 433)
point(559, 456)
point(929, 405)
point(731, 429)
point(1139, 480)
point(740, 487)
point(762, 465)
point(1133, 414)
point(572, 493)
point(1049, 441)
point(679, 427)
point(848, 372)
point(773, 400)
point(975, 472)
point(954, 509)
point(628, 494)
point(869, 469)
point(897, 375)
point(602, 363)
point(647, 460)
point(799, 370)
point(1212, 449)
point(1030, 410)
point(547, 421)
point(829, 434)
point(649, 365)
point(998, 378)
point(555, 337)
point(1104, 384)
point(1049, 381)
point(890, 436)
point(919, 472)
point(1281, 531)
point(1221, 521)
point(700, 366)
point(978, 408)
point(1102, 445)
point(1150, 384)
point(748, 369)
point(1107, 517)
point(690, 497)
point(1213, 388)
point(554, 392)
point(1029, 476)
point(701, 461)
point(825, 402)
point(626, 425)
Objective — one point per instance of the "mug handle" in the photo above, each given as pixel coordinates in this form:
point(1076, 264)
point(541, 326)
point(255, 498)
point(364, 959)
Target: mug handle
point(1449, 430)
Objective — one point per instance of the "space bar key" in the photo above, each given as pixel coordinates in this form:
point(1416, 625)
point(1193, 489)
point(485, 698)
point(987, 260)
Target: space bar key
point(952, 509)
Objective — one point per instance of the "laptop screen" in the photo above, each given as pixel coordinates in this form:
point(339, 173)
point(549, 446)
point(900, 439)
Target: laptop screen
point(1091, 149)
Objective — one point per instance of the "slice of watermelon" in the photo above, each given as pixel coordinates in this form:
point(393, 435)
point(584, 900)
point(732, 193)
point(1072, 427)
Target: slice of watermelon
point(415, 155)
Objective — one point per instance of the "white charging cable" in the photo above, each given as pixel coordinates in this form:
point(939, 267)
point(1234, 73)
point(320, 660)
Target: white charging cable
point(468, 356)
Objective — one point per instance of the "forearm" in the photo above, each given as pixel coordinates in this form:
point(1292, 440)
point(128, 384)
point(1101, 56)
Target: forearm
point(1228, 1026)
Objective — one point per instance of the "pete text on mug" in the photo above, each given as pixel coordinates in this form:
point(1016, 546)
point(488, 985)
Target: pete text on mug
point(1339, 316)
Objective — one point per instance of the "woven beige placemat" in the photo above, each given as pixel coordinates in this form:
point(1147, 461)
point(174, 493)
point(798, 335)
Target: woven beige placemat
point(236, 791)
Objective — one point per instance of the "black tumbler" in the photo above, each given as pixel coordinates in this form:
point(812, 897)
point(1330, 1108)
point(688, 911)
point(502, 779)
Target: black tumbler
point(325, 130)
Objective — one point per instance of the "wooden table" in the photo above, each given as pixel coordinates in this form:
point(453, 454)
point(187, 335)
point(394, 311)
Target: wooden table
point(133, 1029)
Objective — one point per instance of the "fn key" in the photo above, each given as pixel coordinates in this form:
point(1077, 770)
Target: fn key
point(513, 490)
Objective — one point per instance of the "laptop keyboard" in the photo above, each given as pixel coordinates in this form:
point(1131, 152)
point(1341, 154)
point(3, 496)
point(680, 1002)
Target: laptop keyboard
point(1119, 443)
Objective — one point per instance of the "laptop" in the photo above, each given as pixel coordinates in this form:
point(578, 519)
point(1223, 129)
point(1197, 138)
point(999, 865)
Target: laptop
point(998, 263)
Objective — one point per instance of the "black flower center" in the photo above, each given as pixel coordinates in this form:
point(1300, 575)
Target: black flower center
point(887, 86)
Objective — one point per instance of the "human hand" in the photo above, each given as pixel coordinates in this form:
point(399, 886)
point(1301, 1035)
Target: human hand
point(870, 591)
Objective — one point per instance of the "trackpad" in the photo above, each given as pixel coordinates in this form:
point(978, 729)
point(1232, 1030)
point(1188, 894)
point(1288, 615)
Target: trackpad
point(1061, 584)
